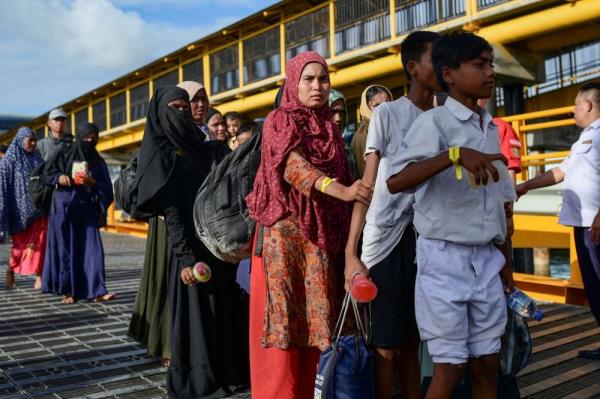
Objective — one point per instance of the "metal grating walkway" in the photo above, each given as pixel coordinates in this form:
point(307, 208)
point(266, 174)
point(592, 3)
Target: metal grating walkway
point(50, 350)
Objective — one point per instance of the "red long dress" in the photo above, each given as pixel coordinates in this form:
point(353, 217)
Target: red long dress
point(292, 321)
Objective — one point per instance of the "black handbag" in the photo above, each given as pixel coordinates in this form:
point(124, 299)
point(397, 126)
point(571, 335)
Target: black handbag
point(124, 196)
point(41, 194)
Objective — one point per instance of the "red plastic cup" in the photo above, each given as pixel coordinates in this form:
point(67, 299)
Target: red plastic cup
point(362, 289)
point(79, 178)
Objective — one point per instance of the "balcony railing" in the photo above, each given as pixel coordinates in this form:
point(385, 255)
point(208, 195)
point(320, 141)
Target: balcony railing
point(488, 3)
point(80, 118)
point(308, 33)
point(99, 115)
point(139, 102)
point(332, 28)
point(194, 71)
point(224, 69)
point(360, 23)
point(417, 14)
point(262, 56)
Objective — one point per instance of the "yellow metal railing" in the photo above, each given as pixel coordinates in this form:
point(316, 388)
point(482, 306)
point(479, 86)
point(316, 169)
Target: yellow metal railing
point(534, 231)
point(523, 125)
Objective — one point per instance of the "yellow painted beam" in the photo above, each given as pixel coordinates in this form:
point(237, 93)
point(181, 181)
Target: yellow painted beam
point(573, 13)
point(120, 139)
point(539, 231)
point(331, 28)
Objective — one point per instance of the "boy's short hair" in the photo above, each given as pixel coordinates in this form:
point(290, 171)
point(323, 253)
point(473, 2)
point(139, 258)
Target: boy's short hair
point(232, 115)
point(3, 148)
point(455, 48)
point(593, 87)
point(248, 127)
point(414, 46)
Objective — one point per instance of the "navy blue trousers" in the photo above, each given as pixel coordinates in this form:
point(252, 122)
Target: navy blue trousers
point(588, 254)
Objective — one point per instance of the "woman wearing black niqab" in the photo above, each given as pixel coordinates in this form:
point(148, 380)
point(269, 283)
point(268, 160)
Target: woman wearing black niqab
point(209, 354)
point(74, 262)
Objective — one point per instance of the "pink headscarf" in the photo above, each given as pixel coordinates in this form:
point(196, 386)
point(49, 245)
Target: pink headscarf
point(324, 220)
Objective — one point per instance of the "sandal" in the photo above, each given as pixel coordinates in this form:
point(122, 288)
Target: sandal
point(105, 297)
point(10, 279)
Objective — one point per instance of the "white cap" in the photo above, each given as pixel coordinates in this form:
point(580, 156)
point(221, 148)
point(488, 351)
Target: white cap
point(57, 113)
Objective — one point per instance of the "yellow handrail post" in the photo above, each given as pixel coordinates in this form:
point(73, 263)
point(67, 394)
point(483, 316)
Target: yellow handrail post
point(241, 61)
point(282, 45)
point(206, 71)
point(128, 105)
point(575, 271)
point(471, 8)
point(332, 28)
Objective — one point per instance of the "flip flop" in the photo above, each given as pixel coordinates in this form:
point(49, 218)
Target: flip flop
point(105, 298)
point(10, 279)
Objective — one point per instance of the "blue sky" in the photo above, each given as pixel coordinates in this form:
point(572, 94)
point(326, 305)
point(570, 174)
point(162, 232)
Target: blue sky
point(54, 50)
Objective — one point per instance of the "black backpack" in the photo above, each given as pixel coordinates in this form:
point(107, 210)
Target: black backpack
point(124, 186)
point(220, 212)
point(40, 193)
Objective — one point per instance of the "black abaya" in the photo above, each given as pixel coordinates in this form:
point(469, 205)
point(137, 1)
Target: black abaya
point(209, 322)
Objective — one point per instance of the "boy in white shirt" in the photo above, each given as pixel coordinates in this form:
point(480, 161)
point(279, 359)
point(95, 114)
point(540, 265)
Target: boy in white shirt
point(389, 239)
point(581, 195)
point(461, 221)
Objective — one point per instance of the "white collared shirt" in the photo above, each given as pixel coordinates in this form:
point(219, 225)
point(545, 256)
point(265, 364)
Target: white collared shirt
point(389, 214)
point(450, 209)
point(581, 195)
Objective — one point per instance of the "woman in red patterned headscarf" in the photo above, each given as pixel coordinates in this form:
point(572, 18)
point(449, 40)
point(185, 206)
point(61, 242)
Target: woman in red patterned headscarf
point(302, 200)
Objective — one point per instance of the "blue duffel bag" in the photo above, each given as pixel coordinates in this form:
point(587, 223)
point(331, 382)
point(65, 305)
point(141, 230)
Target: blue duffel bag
point(346, 368)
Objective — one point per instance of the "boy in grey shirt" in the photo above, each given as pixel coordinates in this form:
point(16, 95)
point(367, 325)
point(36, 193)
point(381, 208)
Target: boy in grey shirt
point(461, 220)
point(389, 239)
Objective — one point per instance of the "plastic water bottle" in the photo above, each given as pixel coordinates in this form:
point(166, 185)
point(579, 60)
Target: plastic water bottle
point(523, 305)
point(362, 289)
point(202, 272)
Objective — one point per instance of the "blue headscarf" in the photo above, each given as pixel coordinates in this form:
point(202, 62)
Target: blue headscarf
point(16, 210)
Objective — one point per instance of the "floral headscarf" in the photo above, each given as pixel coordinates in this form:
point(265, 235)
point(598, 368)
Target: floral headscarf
point(293, 126)
point(16, 209)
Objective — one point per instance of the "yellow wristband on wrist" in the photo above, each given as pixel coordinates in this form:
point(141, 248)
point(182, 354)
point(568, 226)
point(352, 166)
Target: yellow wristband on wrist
point(326, 182)
point(454, 155)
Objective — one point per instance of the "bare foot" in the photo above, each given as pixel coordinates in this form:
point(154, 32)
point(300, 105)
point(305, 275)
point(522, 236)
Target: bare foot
point(38, 282)
point(105, 297)
point(166, 362)
point(10, 279)
point(68, 300)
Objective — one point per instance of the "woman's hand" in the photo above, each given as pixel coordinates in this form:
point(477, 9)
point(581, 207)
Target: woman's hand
point(353, 267)
point(357, 192)
point(89, 181)
point(64, 181)
point(187, 276)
